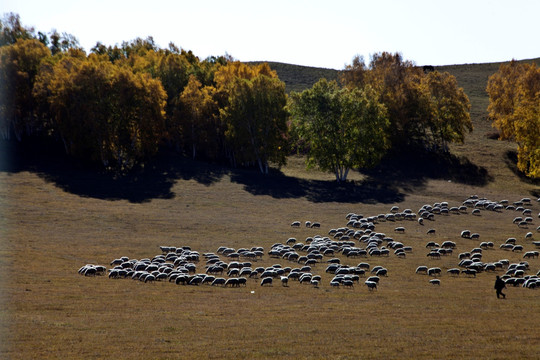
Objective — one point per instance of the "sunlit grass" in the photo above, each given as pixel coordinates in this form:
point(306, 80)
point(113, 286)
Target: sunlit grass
point(54, 312)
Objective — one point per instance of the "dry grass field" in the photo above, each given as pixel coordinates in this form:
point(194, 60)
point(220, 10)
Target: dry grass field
point(57, 217)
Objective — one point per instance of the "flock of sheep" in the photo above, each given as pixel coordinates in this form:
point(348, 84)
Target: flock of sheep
point(339, 250)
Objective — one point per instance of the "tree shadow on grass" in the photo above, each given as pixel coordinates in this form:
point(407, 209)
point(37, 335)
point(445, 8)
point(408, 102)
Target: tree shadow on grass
point(397, 174)
point(141, 185)
point(511, 160)
point(387, 183)
point(411, 169)
point(280, 186)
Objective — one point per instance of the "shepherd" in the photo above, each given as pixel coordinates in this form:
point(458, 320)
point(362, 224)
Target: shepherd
point(499, 285)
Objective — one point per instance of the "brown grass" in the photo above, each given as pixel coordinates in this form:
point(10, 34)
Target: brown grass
point(51, 311)
point(56, 217)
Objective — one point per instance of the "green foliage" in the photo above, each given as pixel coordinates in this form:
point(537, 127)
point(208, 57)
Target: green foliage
point(344, 128)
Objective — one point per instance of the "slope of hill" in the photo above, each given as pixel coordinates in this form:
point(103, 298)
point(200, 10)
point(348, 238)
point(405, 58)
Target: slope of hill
point(473, 78)
point(298, 78)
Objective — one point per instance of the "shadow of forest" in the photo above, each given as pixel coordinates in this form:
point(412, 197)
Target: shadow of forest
point(396, 175)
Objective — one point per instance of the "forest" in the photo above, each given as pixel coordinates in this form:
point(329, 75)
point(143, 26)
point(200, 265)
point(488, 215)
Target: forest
point(118, 106)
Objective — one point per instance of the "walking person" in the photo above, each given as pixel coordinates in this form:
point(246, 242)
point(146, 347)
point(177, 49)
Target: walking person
point(499, 285)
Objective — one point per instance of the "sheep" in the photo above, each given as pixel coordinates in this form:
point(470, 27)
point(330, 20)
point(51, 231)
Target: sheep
point(484, 245)
point(476, 212)
point(490, 267)
point(431, 232)
point(295, 224)
point(233, 272)
point(181, 279)
point(382, 272)
point(88, 270)
point(307, 277)
point(195, 280)
point(266, 281)
point(232, 282)
point(400, 253)
point(469, 272)
point(448, 245)
point(517, 248)
point(315, 225)
point(291, 241)
point(400, 229)
point(433, 271)
point(371, 285)
point(363, 265)
point(435, 282)
point(432, 244)
point(466, 234)
point(529, 235)
point(453, 271)
point(149, 278)
point(315, 283)
point(420, 221)
point(422, 269)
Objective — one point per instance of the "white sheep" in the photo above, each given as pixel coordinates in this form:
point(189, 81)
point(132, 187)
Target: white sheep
point(371, 285)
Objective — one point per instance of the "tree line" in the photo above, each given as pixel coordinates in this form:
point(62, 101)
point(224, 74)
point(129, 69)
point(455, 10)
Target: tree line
point(119, 105)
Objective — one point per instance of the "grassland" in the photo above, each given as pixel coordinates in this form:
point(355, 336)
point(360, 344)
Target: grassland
point(57, 216)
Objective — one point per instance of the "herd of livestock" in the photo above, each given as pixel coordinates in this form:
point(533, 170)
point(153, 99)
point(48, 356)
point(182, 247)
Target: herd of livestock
point(357, 241)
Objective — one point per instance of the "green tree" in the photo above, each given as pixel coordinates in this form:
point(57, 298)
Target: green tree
point(19, 66)
point(344, 128)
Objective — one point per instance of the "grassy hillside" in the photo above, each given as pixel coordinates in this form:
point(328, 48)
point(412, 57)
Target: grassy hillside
point(473, 78)
point(56, 216)
point(298, 78)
